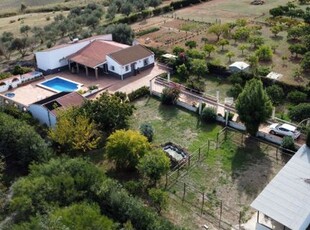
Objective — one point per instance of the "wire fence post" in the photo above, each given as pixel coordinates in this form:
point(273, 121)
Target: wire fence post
point(221, 210)
point(166, 184)
point(203, 202)
point(240, 214)
point(184, 191)
point(217, 140)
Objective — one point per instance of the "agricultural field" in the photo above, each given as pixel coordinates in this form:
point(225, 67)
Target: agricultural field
point(35, 5)
point(242, 170)
point(12, 24)
point(192, 23)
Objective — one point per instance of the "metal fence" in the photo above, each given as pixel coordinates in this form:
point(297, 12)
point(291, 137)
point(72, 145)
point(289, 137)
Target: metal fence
point(216, 212)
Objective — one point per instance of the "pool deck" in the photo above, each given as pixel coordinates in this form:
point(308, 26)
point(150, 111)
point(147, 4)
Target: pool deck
point(30, 93)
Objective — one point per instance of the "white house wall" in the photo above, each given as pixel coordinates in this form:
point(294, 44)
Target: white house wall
point(42, 114)
point(55, 58)
point(117, 67)
point(121, 70)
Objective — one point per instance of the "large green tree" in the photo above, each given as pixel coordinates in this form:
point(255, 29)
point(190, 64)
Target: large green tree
point(126, 147)
point(109, 112)
point(78, 216)
point(218, 30)
point(154, 165)
point(253, 106)
point(121, 33)
point(57, 183)
point(199, 67)
point(20, 144)
point(74, 132)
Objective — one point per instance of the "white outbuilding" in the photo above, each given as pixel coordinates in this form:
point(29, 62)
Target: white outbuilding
point(239, 66)
point(286, 199)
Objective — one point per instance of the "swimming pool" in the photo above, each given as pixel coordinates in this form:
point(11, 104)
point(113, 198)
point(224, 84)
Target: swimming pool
point(60, 84)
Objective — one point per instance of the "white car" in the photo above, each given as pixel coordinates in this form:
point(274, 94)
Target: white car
point(284, 130)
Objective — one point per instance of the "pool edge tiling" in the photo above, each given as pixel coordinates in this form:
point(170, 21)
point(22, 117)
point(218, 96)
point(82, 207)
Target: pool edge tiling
point(41, 84)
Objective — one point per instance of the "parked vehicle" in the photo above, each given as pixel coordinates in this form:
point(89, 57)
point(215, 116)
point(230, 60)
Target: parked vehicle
point(284, 130)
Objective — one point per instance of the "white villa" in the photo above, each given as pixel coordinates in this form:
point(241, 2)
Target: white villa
point(99, 53)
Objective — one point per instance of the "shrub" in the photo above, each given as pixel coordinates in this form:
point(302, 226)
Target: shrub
point(296, 97)
point(138, 93)
point(299, 112)
point(147, 31)
point(195, 83)
point(147, 131)
point(288, 143)
point(208, 115)
point(230, 116)
point(236, 79)
point(234, 91)
point(170, 96)
point(5, 75)
point(275, 94)
point(263, 70)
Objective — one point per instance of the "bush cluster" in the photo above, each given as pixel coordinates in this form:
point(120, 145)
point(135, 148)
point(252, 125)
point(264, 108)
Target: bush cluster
point(170, 96)
point(208, 115)
point(147, 31)
point(141, 92)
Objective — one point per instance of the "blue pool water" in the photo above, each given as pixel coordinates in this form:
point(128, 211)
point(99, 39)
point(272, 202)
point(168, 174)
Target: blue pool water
point(60, 85)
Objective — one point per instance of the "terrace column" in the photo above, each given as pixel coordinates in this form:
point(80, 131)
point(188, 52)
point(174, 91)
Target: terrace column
point(150, 87)
point(69, 64)
point(96, 72)
point(168, 77)
point(273, 113)
point(86, 69)
point(77, 68)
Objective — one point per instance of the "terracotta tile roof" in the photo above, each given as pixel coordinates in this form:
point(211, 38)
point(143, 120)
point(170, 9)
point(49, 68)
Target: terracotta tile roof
point(131, 54)
point(95, 53)
point(90, 39)
point(61, 101)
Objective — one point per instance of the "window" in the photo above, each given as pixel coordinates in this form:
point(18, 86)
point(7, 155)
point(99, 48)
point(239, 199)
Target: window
point(127, 68)
point(112, 67)
point(146, 61)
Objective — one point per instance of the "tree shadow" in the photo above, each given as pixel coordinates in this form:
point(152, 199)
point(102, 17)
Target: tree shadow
point(251, 168)
point(277, 38)
point(168, 112)
point(123, 175)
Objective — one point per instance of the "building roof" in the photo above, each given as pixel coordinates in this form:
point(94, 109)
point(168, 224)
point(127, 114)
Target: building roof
point(106, 37)
point(240, 65)
point(131, 54)
point(94, 54)
point(61, 100)
point(274, 75)
point(286, 199)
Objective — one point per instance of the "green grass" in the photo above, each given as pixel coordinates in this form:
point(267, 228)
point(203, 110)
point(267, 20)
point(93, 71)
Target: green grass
point(173, 124)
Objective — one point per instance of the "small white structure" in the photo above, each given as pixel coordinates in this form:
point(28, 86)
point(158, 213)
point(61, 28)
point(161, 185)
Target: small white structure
point(239, 66)
point(274, 75)
point(15, 81)
point(46, 110)
point(286, 199)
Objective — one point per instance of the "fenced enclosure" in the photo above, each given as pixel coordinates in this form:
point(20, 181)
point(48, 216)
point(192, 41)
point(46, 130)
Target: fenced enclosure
point(197, 185)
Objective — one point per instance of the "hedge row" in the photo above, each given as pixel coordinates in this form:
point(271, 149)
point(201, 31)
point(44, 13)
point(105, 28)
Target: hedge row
point(141, 92)
point(132, 18)
point(147, 31)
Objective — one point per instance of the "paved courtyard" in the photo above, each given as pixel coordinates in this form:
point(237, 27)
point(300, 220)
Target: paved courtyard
point(30, 93)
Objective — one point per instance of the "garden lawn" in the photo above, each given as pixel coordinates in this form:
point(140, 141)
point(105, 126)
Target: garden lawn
point(172, 124)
